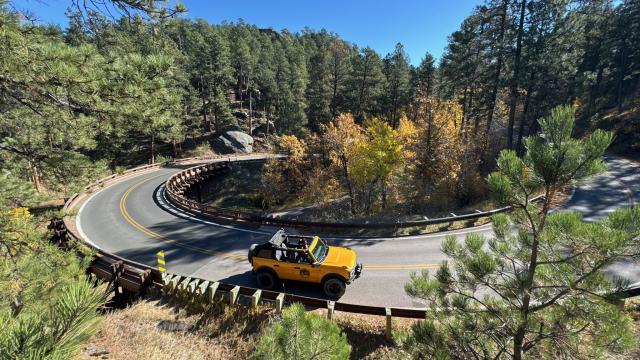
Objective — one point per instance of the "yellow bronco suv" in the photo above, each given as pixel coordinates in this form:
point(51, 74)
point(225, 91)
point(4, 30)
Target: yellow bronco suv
point(304, 258)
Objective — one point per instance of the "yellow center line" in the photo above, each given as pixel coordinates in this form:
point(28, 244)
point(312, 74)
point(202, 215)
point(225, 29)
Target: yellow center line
point(229, 255)
point(153, 234)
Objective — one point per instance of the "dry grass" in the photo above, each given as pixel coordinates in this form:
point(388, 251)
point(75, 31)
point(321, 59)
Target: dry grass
point(218, 331)
point(141, 331)
point(632, 306)
point(154, 329)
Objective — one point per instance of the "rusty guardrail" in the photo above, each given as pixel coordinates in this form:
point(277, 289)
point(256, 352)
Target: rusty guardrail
point(177, 186)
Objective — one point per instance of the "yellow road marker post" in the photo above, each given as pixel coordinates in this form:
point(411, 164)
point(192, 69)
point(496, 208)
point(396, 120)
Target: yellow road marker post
point(162, 265)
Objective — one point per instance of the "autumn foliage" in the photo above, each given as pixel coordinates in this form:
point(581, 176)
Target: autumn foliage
point(423, 163)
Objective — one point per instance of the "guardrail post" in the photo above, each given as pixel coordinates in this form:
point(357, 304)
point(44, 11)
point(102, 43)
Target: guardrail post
point(202, 288)
point(255, 298)
point(389, 328)
point(183, 285)
point(193, 285)
point(279, 303)
point(212, 290)
point(166, 282)
point(330, 307)
point(175, 282)
point(233, 295)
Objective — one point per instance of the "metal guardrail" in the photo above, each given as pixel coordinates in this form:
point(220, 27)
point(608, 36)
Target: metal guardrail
point(177, 186)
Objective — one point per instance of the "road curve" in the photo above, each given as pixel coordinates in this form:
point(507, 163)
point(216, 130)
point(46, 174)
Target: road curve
point(132, 219)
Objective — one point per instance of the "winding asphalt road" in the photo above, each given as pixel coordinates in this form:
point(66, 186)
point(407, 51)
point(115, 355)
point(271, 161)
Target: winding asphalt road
point(131, 218)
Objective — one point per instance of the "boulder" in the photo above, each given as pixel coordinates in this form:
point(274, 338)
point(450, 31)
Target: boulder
point(241, 115)
point(261, 127)
point(230, 127)
point(92, 350)
point(232, 142)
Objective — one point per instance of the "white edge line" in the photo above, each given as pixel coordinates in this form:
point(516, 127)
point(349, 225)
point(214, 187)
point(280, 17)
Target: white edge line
point(79, 225)
point(173, 210)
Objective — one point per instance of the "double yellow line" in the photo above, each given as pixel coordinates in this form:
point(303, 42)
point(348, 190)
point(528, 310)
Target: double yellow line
point(153, 234)
point(228, 255)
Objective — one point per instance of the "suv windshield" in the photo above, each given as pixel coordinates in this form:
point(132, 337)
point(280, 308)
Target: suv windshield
point(320, 250)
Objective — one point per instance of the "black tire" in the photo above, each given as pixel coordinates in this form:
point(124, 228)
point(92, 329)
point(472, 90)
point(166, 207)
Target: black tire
point(334, 287)
point(252, 250)
point(267, 279)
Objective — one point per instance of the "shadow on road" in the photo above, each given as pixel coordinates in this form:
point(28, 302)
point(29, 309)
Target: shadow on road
point(291, 287)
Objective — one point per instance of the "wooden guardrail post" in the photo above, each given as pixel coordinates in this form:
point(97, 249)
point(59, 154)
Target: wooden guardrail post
point(183, 285)
point(389, 327)
point(255, 298)
point(174, 283)
point(330, 307)
point(279, 303)
point(233, 295)
point(202, 288)
point(166, 282)
point(192, 290)
point(212, 290)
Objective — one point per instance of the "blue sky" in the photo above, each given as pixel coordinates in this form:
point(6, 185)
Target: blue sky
point(421, 25)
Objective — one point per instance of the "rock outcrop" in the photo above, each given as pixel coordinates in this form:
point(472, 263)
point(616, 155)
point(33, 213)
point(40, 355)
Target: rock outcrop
point(232, 141)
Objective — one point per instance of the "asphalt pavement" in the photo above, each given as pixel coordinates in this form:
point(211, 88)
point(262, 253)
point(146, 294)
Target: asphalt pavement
point(132, 218)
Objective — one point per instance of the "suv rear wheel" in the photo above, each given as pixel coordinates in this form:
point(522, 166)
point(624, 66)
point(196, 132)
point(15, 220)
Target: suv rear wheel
point(266, 279)
point(334, 287)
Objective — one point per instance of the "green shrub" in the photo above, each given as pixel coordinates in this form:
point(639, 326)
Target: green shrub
point(301, 335)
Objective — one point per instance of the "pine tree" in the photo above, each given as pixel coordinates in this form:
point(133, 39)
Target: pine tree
point(366, 84)
point(302, 335)
point(538, 291)
point(397, 70)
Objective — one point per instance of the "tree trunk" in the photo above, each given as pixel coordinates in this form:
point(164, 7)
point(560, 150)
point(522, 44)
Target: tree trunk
point(384, 194)
point(250, 116)
point(464, 110)
point(523, 120)
point(594, 90)
point(36, 179)
point(620, 82)
point(496, 77)
point(345, 170)
point(362, 89)
point(334, 105)
point(518, 340)
point(153, 148)
point(240, 88)
point(516, 77)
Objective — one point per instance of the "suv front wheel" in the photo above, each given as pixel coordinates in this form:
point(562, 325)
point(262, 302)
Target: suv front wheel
point(334, 287)
point(266, 279)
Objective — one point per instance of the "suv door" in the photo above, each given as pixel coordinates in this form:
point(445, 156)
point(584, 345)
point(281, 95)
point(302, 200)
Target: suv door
point(304, 270)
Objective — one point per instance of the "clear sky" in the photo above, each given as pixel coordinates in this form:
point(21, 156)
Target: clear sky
point(421, 25)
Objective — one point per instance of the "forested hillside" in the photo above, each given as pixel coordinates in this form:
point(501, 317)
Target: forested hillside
point(131, 82)
point(111, 92)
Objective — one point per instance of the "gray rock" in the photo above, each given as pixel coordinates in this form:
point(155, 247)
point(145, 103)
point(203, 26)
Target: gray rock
point(96, 351)
point(242, 115)
point(230, 127)
point(261, 128)
point(174, 326)
point(232, 142)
